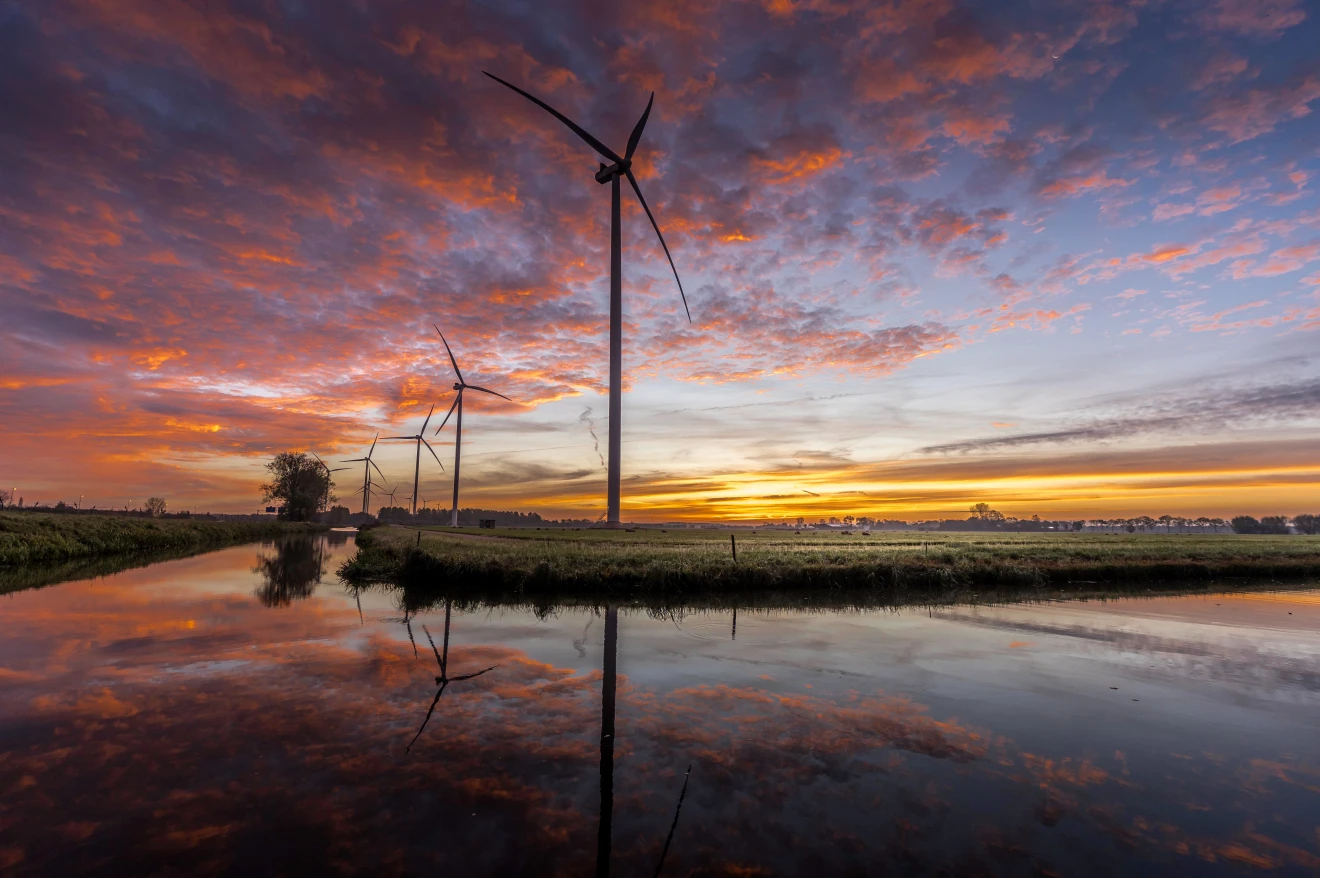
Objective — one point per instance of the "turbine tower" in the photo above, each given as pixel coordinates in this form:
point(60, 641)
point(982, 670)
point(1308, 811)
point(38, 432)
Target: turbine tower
point(367, 464)
point(417, 471)
point(460, 386)
point(620, 166)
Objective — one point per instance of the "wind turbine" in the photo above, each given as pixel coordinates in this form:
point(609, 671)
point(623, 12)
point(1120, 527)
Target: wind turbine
point(621, 167)
point(325, 501)
point(417, 472)
point(367, 464)
point(460, 386)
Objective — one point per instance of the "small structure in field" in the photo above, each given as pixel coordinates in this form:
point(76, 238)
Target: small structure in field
point(487, 523)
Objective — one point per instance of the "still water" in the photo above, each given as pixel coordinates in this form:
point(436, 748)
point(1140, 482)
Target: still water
point(240, 712)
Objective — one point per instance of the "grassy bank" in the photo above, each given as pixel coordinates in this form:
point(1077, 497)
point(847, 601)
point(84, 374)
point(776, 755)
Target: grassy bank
point(30, 538)
point(566, 565)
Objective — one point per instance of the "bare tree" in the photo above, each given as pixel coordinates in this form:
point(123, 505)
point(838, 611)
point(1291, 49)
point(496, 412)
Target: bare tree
point(156, 506)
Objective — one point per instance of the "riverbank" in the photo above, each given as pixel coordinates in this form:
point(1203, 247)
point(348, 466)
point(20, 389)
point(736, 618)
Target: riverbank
point(568, 565)
point(30, 538)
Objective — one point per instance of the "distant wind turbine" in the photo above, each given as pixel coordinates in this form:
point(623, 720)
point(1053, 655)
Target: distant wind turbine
point(380, 489)
point(417, 471)
point(460, 386)
point(621, 167)
point(367, 464)
point(325, 501)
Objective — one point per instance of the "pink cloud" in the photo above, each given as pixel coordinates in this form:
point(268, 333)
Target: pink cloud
point(1281, 261)
point(1266, 19)
point(1252, 113)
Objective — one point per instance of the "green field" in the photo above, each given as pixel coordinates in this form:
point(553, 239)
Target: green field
point(34, 538)
point(561, 565)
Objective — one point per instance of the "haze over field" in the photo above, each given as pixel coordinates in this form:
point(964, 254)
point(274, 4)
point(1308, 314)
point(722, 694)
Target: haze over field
point(1062, 258)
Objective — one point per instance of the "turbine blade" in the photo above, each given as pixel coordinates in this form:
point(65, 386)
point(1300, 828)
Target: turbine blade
point(353, 460)
point(470, 676)
point(373, 463)
point(434, 702)
point(433, 454)
point(636, 136)
point(656, 226)
point(318, 458)
point(484, 390)
point(427, 421)
point(452, 361)
point(573, 126)
point(450, 412)
point(373, 441)
point(409, 438)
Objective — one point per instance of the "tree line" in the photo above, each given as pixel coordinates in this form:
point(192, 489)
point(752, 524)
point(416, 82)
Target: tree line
point(984, 518)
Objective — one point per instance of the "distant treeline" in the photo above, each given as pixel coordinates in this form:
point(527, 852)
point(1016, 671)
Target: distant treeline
point(466, 517)
point(983, 518)
point(63, 508)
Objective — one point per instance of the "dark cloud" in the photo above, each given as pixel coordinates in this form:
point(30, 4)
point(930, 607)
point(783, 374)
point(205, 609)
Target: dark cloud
point(1212, 411)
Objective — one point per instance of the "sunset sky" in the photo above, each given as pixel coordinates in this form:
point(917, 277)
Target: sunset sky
point(1063, 258)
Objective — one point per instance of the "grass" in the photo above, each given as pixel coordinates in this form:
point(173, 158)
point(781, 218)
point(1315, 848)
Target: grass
point(652, 566)
point(32, 538)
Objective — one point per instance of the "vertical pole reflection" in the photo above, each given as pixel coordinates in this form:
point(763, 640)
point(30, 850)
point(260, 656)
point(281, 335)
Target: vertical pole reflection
point(607, 742)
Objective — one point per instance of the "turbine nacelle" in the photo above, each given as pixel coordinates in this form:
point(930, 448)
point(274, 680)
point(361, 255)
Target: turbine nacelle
point(609, 172)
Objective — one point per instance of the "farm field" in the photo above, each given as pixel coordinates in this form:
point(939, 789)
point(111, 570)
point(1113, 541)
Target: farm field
point(902, 565)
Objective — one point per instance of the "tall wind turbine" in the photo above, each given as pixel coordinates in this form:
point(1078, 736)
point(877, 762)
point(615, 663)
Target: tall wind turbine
point(460, 386)
point(417, 472)
point(621, 166)
point(367, 464)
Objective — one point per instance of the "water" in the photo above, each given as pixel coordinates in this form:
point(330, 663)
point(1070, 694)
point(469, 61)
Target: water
point(233, 713)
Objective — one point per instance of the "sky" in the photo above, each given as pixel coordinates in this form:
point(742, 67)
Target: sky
point(1062, 258)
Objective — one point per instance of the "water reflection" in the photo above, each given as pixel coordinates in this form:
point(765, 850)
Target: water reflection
point(443, 679)
point(293, 571)
point(165, 720)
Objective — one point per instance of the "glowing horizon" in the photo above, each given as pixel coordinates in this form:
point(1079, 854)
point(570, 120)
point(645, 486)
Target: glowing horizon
point(1066, 263)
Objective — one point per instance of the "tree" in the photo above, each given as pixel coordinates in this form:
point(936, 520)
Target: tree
point(299, 482)
point(1167, 521)
point(1274, 524)
point(1307, 524)
point(5, 497)
point(155, 506)
point(1245, 524)
point(1078, 525)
